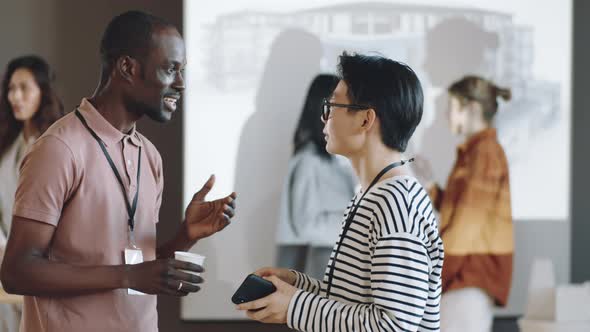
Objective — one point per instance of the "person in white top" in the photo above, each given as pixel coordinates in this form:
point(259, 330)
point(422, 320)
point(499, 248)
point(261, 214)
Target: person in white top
point(28, 106)
point(317, 187)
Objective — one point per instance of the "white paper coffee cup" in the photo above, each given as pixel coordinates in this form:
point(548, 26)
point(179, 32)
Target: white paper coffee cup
point(191, 258)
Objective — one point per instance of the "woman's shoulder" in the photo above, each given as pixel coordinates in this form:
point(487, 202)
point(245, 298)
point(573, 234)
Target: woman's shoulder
point(400, 205)
point(308, 157)
point(488, 154)
point(395, 192)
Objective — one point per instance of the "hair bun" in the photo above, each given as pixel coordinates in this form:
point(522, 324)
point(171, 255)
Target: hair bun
point(504, 93)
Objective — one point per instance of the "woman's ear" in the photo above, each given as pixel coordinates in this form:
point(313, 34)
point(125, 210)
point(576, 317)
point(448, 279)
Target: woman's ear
point(369, 118)
point(475, 109)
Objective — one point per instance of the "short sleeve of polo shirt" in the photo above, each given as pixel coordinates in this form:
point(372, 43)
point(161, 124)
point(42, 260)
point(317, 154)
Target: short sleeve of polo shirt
point(47, 179)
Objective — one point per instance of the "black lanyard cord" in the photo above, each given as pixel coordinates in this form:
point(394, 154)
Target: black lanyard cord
point(131, 208)
point(352, 214)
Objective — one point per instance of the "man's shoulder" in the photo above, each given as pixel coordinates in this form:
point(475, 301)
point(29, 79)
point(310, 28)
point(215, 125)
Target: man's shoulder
point(63, 134)
point(66, 128)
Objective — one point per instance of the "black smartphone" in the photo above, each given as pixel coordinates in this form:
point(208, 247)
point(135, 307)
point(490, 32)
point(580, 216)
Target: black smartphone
point(253, 288)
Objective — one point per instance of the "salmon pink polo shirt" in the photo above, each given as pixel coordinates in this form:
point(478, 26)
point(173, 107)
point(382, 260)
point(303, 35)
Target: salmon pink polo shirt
point(66, 182)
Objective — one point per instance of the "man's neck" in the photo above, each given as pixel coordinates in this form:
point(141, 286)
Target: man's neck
point(112, 108)
point(369, 162)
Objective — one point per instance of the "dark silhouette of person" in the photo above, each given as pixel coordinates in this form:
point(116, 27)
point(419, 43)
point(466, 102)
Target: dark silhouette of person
point(266, 140)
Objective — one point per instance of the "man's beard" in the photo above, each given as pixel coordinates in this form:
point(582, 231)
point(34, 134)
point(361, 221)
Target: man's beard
point(155, 113)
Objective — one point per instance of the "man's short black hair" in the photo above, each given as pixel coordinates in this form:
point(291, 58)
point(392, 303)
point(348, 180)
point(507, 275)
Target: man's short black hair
point(391, 88)
point(129, 33)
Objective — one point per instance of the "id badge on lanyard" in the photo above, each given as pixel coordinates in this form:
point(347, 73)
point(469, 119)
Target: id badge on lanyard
point(132, 255)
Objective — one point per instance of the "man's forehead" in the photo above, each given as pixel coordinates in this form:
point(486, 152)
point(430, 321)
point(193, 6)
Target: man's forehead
point(169, 45)
point(168, 39)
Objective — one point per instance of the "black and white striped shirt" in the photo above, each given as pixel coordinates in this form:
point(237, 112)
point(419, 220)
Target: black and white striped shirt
point(387, 275)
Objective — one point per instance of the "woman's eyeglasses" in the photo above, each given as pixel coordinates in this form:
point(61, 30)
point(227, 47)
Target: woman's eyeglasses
point(327, 108)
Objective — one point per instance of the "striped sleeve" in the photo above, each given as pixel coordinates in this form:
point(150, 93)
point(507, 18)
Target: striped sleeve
point(400, 286)
point(307, 283)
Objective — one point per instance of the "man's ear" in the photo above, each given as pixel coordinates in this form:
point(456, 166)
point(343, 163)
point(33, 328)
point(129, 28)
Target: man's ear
point(127, 68)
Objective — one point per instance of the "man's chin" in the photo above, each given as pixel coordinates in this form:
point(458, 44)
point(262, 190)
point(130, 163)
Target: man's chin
point(161, 115)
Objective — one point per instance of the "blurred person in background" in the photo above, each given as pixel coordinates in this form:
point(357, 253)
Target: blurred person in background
point(28, 106)
point(475, 210)
point(318, 186)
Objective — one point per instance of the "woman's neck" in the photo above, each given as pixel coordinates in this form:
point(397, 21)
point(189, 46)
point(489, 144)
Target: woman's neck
point(29, 130)
point(477, 127)
point(371, 161)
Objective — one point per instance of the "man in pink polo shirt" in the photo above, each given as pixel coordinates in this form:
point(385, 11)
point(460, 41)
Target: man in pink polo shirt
point(89, 196)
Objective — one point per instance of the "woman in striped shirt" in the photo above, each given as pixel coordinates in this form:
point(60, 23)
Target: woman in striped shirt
point(384, 273)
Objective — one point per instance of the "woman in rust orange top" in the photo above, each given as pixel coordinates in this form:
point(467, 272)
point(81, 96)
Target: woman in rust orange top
point(475, 211)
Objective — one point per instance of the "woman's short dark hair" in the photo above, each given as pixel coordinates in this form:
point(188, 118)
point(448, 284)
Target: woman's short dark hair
point(391, 88)
point(50, 108)
point(310, 127)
